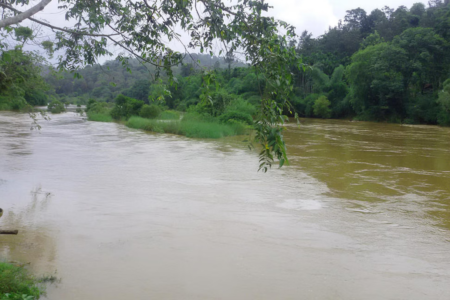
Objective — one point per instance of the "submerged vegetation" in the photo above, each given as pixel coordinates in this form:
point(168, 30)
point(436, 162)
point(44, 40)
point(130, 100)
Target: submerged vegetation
point(16, 283)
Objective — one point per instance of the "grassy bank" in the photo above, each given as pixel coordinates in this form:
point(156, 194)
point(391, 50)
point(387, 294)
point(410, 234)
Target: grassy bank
point(99, 117)
point(169, 115)
point(17, 283)
point(190, 126)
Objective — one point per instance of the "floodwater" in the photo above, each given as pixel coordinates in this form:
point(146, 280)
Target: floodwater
point(362, 212)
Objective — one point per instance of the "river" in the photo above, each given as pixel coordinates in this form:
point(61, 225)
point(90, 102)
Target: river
point(362, 212)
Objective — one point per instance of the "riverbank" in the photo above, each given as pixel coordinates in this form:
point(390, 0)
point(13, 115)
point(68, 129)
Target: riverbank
point(17, 283)
point(190, 125)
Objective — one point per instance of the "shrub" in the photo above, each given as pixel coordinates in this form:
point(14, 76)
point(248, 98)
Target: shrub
point(236, 116)
point(444, 102)
point(242, 106)
point(126, 107)
point(181, 107)
point(191, 125)
point(150, 111)
point(322, 107)
point(99, 117)
point(56, 107)
point(169, 115)
point(36, 98)
point(16, 282)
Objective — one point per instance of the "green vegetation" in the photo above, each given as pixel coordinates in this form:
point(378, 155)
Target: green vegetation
point(94, 28)
point(21, 83)
point(150, 118)
point(389, 65)
point(194, 126)
point(16, 283)
point(56, 107)
point(321, 107)
point(150, 111)
point(98, 111)
point(169, 115)
point(99, 117)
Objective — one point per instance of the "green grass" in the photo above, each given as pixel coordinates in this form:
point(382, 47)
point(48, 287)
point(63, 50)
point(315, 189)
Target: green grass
point(169, 115)
point(15, 282)
point(190, 126)
point(99, 117)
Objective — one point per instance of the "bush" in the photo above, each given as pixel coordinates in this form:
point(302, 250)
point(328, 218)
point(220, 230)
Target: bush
point(16, 282)
point(97, 107)
point(126, 107)
point(242, 106)
point(191, 126)
point(56, 107)
point(181, 107)
point(36, 98)
point(169, 115)
point(236, 116)
point(99, 117)
point(150, 111)
point(322, 107)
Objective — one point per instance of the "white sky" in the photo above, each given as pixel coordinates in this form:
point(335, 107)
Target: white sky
point(317, 15)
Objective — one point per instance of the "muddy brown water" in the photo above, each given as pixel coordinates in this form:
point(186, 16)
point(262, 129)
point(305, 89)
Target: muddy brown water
point(362, 212)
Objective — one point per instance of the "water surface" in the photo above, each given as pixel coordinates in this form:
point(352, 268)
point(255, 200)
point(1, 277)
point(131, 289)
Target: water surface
point(362, 212)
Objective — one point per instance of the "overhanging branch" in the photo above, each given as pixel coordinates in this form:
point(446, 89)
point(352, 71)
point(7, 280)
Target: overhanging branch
point(78, 32)
point(23, 15)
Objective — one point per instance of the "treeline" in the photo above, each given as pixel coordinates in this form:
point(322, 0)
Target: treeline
point(387, 65)
point(111, 79)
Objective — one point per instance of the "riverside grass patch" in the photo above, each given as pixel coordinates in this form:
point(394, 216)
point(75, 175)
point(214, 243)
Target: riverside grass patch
point(99, 117)
point(16, 283)
point(169, 115)
point(189, 126)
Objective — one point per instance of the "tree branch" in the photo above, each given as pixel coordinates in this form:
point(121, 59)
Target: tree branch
point(23, 15)
point(52, 26)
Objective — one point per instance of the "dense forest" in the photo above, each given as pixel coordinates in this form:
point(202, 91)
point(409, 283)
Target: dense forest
point(387, 65)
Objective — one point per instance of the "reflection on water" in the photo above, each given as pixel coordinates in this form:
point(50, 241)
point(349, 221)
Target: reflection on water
point(361, 213)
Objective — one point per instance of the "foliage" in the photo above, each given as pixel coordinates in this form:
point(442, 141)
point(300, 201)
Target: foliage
point(169, 115)
point(145, 29)
point(98, 107)
point(36, 98)
point(99, 117)
point(322, 107)
point(126, 107)
point(377, 79)
point(150, 111)
point(444, 102)
point(192, 125)
point(21, 80)
point(56, 107)
point(16, 283)
point(236, 116)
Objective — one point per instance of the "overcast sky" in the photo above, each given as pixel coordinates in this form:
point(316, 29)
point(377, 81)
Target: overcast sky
point(317, 15)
